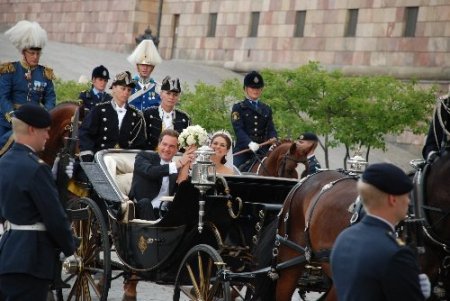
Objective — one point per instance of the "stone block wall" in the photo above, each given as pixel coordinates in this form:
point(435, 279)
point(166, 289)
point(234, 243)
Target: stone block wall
point(378, 46)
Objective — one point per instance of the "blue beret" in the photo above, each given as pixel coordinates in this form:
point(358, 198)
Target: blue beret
point(33, 115)
point(308, 136)
point(387, 178)
point(253, 80)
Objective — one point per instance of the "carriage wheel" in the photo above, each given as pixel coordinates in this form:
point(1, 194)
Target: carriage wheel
point(197, 276)
point(88, 271)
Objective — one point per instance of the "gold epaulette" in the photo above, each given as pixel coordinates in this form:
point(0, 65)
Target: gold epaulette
point(7, 68)
point(49, 74)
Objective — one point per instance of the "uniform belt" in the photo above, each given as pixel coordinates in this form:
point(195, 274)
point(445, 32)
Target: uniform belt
point(34, 227)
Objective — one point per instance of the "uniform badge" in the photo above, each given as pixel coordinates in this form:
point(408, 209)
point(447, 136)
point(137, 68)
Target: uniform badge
point(256, 80)
point(235, 116)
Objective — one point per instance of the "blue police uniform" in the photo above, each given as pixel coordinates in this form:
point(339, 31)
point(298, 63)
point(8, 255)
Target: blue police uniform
point(313, 165)
point(90, 99)
point(16, 90)
point(100, 129)
point(148, 98)
point(28, 195)
point(153, 121)
point(251, 123)
point(369, 263)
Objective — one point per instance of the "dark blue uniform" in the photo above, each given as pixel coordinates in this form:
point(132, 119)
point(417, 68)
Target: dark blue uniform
point(251, 123)
point(90, 99)
point(28, 195)
point(180, 121)
point(369, 263)
point(16, 90)
point(100, 130)
point(436, 139)
point(313, 165)
point(148, 99)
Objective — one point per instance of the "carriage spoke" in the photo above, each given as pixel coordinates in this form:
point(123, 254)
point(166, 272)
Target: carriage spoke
point(214, 289)
point(187, 292)
point(201, 274)
point(193, 280)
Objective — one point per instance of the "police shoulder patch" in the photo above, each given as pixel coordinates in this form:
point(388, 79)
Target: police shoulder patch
point(49, 74)
point(235, 116)
point(7, 68)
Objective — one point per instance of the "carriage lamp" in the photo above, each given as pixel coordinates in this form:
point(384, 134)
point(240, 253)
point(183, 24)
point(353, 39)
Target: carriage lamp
point(203, 176)
point(357, 164)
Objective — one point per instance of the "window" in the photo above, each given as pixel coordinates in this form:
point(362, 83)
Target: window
point(352, 21)
point(411, 21)
point(300, 17)
point(212, 23)
point(254, 22)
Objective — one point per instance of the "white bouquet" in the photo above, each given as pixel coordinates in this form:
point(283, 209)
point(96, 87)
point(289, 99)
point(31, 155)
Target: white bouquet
point(193, 135)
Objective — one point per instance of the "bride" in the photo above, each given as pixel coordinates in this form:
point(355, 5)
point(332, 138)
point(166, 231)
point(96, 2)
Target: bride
point(223, 157)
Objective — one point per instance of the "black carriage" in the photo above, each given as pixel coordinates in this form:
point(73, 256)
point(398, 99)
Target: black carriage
point(205, 232)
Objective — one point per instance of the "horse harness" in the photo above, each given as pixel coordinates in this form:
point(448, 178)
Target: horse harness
point(309, 255)
point(286, 157)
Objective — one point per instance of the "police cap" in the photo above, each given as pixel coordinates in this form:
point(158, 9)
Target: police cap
point(308, 136)
point(101, 72)
point(387, 178)
point(169, 84)
point(33, 115)
point(253, 80)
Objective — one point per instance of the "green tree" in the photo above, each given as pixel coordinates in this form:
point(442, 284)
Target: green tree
point(68, 90)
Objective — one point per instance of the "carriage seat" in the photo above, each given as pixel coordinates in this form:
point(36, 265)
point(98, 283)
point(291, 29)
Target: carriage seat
point(120, 166)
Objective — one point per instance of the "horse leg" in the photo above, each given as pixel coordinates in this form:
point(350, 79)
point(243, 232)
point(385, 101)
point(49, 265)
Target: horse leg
point(287, 283)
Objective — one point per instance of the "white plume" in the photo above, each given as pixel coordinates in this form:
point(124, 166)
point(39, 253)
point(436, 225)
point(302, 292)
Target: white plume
point(145, 53)
point(26, 34)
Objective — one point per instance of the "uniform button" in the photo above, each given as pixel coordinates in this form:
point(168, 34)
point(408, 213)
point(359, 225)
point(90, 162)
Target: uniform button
point(132, 123)
point(151, 116)
point(134, 114)
point(149, 125)
point(184, 120)
point(131, 132)
point(102, 145)
point(104, 138)
point(105, 129)
point(103, 110)
point(104, 119)
point(256, 117)
point(256, 129)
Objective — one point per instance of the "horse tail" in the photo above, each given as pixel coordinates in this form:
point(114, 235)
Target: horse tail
point(264, 286)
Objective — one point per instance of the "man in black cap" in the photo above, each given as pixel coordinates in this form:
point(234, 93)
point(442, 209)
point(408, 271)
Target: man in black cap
point(37, 228)
point(368, 261)
point(308, 142)
point(166, 115)
point(113, 124)
point(252, 122)
point(97, 93)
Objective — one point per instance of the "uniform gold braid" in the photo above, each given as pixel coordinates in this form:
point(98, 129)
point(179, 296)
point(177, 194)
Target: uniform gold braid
point(7, 68)
point(7, 145)
point(49, 74)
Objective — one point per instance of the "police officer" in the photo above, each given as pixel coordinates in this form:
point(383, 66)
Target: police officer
point(37, 228)
point(165, 116)
point(308, 142)
point(146, 93)
point(252, 120)
point(24, 81)
point(113, 124)
point(437, 140)
point(368, 261)
point(97, 93)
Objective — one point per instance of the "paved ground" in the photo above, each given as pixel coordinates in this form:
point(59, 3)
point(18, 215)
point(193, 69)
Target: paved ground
point(70, 62)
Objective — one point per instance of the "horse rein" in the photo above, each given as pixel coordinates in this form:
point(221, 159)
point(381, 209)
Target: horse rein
point(282, 167)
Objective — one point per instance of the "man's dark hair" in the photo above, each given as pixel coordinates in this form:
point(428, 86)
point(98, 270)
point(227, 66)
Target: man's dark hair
point(168, 132)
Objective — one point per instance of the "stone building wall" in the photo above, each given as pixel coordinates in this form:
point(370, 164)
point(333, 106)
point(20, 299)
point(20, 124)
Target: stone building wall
point(379, 45)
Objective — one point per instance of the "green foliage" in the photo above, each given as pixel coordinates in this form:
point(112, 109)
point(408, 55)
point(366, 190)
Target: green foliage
point(68, 90)
point(210, 106)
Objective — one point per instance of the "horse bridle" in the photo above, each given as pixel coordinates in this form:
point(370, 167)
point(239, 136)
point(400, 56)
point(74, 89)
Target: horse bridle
point(286, 157)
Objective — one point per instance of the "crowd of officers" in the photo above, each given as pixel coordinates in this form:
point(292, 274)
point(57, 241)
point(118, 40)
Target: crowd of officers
point(132, 116)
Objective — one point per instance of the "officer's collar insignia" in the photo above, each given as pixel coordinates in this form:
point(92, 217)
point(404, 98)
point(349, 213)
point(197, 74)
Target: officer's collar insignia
point(235, 116)
point(256, 80)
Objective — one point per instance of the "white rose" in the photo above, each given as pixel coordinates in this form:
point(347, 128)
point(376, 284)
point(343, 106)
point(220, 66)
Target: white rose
point(190, 140)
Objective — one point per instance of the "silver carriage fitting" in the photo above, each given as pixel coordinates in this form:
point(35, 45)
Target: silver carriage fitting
point(357, 163)
point(203, 177)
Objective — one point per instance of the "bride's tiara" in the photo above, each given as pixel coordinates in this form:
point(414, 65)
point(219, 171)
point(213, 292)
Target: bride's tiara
point(222, 132)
